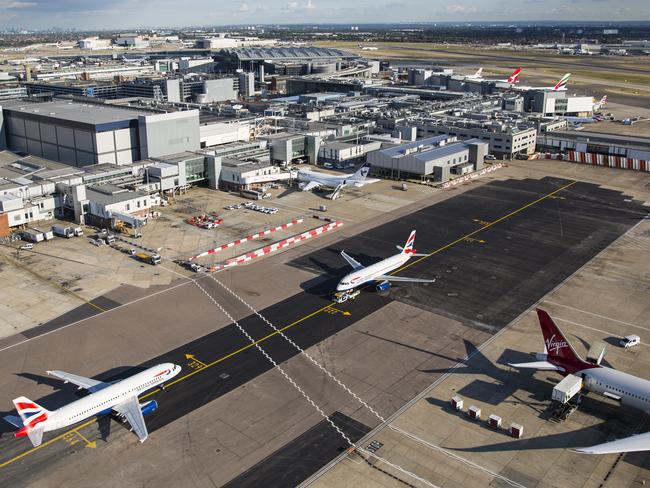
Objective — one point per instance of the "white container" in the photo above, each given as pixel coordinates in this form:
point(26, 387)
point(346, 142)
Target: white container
point(494, 421)
point(457, 403)
point(566, 389)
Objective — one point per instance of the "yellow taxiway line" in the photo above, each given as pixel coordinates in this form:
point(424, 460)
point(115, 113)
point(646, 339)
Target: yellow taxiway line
point(292, 324)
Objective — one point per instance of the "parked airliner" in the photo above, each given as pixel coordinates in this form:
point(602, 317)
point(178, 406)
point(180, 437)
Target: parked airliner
point(629, 390)
point(380, 271)
point(104, 398)
point(310, 180)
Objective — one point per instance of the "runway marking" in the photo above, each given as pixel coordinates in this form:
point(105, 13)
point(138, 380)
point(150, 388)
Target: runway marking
point(272, 334)
point(596, 315)
point(195, 363)
point(473, 239)
point(333, 311)
point(89, 444)
point(482, 222)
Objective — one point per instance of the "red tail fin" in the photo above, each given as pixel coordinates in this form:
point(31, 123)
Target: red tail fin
point(557, 347)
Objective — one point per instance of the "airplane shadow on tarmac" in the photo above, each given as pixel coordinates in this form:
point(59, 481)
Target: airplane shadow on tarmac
point(66, 393)
point(616, 421)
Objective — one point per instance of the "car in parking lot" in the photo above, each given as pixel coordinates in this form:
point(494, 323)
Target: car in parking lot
point(630, 341)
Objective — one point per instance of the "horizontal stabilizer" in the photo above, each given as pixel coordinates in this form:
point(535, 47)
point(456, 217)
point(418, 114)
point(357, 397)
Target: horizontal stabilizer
point(309, 186)
point(412, 254)
point(634, 443)
point(545, 365)
point(14, 420)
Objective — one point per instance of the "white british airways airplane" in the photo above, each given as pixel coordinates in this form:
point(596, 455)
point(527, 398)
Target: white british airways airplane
point(104, 398)
point(629, 390)
point(380, 271)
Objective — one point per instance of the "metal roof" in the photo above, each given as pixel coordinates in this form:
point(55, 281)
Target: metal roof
point(79, 113)
point(288, 53)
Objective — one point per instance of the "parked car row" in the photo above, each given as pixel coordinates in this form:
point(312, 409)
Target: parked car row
point(252, 206)
point(260, 208)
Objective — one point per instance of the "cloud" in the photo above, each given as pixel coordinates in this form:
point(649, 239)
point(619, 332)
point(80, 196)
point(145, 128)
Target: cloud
point(310, 5)
point(243, 7)
point(460, 9)
point(17, 5)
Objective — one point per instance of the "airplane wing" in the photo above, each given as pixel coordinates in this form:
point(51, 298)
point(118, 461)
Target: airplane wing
point(133, 414)
point(310, 186)
point(365, 182)
point(544, 365)
point(634, 443)
point(403, 278)
point(351, 261)
point(81, 381)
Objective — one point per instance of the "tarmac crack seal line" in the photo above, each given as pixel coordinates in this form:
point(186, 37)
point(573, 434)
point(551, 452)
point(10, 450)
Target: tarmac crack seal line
point(296, 322)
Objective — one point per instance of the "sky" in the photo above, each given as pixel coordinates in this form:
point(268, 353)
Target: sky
point(115, 14)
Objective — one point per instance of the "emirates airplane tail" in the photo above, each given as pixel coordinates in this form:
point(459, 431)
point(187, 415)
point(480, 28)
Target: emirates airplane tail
point(561, 85)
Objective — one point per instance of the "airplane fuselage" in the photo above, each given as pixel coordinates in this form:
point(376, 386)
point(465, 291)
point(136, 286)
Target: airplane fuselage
point(632, 390)
point(370, 273)
point(102, 401)
point(330, 181)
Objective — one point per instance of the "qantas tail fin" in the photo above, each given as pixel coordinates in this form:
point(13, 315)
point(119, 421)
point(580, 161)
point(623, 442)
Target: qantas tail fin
point(562, 83)
point(514, 77)
point(603, 100)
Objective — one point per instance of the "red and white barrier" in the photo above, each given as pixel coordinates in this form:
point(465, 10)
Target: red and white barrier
point(607, 160)
point(244, 258)
point(246, 239)
point(471, 176)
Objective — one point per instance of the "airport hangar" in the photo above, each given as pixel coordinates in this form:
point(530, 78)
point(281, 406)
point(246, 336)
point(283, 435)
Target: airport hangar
point(84, 134)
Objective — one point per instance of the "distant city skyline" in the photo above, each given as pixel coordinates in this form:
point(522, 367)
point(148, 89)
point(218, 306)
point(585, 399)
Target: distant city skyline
point(118, 14)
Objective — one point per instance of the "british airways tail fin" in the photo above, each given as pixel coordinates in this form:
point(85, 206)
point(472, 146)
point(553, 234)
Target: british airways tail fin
point(32, 416)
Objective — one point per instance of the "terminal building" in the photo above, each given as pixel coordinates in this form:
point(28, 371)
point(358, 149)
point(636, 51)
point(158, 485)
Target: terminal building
point(505, 140)
point(433, 159)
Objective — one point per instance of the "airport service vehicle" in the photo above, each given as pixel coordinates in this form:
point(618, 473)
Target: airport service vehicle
point(32, 235)
point(47, 234)
point(310, 180)
point(67, 231)
point(152, 259)
point(625, 388)
point(630, 341)
point(380, 271)
point(344, 296)
point(27, 247)
point(104, 398)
